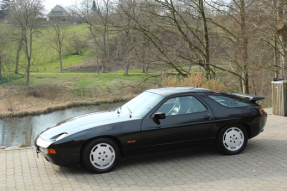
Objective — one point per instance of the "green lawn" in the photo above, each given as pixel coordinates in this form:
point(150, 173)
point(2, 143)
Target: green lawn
point(54, 66)
point(78, 80)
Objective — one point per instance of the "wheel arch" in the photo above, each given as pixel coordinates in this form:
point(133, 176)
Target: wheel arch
point(116, 140)
point(247, 128)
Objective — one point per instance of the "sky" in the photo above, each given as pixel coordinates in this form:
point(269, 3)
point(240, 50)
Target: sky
point(50, 4)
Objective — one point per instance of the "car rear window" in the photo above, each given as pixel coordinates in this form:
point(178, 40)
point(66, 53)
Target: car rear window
point(229, 102)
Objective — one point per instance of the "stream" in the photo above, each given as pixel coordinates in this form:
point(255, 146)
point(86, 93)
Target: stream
point(23, 130)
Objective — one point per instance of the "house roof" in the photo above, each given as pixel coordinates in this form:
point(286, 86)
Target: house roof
point(59, 8)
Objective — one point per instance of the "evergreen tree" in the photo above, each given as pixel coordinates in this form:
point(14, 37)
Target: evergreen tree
point(94, 8)
point(4, 5)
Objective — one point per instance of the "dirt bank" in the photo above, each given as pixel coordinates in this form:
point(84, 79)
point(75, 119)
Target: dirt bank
point(38, 106)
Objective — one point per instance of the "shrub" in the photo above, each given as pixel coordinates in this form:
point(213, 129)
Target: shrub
point(53, 91)
point(12, 77)
point(194, 80)
point(36, 93)
point(49, 91)
point(9, 101)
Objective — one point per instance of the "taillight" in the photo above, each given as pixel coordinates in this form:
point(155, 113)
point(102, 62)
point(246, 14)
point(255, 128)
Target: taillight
point(262, 111)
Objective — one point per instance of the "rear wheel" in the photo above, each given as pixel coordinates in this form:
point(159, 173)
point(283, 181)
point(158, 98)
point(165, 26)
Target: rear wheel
point(101, 155)
point(232, 139)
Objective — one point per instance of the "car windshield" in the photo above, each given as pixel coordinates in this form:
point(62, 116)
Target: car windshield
point(141, 105)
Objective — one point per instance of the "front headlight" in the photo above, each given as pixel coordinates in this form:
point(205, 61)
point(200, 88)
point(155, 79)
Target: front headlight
point(61, 136)
point(44, 150)
point(43, 143)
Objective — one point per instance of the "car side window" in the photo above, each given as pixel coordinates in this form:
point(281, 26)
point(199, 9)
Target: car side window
point(228, 101)
point(181, 105)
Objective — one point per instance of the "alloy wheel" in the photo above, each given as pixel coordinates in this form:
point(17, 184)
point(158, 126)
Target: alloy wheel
point(102, 156)
point(233, 139)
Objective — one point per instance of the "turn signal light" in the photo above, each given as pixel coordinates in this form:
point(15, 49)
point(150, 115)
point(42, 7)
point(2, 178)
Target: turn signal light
point(51, 151)
point(262, 111)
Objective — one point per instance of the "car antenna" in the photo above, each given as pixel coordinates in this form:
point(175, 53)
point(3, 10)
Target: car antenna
point(118, 110)
point(130, 112)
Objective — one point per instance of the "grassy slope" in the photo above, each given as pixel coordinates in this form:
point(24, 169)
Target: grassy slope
point(45, 58)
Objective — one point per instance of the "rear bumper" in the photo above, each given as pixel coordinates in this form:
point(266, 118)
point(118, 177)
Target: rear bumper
point(256, 130)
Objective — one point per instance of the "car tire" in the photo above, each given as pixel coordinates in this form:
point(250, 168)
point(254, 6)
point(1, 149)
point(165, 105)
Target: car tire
point(101, 155)
point(232, 139)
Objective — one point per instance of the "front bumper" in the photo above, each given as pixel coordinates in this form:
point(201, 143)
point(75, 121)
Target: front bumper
point(58, 158)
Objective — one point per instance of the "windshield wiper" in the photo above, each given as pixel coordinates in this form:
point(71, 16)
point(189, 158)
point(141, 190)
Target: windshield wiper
point(130, 112)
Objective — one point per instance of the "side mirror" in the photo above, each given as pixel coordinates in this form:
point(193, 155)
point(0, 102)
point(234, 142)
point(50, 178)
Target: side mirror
point(157, 116)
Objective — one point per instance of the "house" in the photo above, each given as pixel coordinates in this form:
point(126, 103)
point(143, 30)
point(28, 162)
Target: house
point(58, 13)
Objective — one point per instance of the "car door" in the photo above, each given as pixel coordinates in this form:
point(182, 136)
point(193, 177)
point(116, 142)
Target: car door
point(188, 120)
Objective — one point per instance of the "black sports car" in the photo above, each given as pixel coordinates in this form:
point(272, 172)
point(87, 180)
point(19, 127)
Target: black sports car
point(156, 119)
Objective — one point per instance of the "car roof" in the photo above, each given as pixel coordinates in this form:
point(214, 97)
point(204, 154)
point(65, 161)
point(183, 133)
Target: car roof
point(166, 91)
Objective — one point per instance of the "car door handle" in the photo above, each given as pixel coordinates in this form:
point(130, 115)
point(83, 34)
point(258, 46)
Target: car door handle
point(207, 117)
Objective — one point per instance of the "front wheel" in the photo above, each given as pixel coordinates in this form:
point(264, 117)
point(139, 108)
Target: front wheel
point(232, 139)
point(101, 155)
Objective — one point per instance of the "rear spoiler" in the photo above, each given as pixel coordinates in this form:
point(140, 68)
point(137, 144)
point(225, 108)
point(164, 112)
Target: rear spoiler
point(252, 98)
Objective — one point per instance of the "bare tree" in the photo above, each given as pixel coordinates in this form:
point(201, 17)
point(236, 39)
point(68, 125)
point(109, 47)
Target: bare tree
point(98, 22)
point(2, 47)
point(56, 40)
point(123, 24)
point(282, 32)
point(16, 36)
point(5, 48)
point(237, 29)
point(19, 48)
point(165, 22)
point(25, 13)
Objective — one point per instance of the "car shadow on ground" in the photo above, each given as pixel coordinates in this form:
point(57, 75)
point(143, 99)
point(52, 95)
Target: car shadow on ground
point(261, 159)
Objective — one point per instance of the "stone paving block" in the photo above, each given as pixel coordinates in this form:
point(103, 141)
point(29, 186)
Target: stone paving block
point(261, 166)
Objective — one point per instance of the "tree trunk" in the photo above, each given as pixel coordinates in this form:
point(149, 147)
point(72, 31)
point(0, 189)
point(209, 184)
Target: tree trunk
point(105, 53)
point(17, 56)
point(283, 55)
point(244, 47)
point(147, 67)
point(60, 56)
point(189, 68)
point(206, 39)
point(245, 84)
point(104, 70)
point(28, 56)
point(240, 85)
point(98, 65)
point(276, 53)
point(282, 49)
point(0, 65)
point(276, 57)
point(28, 74)
point(127, 68)
point(253, 87)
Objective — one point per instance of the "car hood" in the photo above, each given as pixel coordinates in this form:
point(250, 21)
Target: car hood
point(83, 122)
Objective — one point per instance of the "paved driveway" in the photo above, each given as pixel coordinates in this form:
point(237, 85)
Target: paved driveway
point(262, 166)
